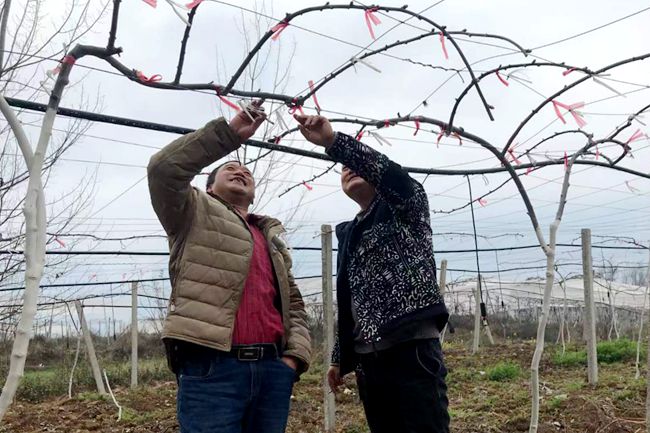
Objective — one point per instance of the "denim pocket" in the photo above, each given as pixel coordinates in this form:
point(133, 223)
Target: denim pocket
point(285, 366)
point(197, 368)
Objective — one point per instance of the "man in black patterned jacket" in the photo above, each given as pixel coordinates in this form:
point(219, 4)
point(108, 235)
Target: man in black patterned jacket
point(390, 310)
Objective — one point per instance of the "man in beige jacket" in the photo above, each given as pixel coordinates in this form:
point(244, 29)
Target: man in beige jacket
point(236, 332)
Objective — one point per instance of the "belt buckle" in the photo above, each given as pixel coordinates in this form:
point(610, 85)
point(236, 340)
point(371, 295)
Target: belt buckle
point(250, 353)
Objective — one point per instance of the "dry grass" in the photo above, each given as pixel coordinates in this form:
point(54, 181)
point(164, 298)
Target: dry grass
point(477, 404)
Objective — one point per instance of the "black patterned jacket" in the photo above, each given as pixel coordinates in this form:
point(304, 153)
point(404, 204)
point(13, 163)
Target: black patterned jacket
point(390, 274)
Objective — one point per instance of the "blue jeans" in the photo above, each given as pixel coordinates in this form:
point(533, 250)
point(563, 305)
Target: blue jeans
point(220, 394)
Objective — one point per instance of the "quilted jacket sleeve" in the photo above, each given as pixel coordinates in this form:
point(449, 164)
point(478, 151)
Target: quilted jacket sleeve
point(171, 170)
point(392, 182)
point(299, 341)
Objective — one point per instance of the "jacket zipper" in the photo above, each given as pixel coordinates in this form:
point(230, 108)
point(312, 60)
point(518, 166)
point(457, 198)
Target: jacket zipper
point(406, 265)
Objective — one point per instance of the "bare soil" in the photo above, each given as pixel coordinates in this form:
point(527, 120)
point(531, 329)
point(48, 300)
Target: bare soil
point(477, 404)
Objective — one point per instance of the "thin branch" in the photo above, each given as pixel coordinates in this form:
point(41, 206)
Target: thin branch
point(186, 37)
point(506, 67)
point(564, 90)
point(113, 32)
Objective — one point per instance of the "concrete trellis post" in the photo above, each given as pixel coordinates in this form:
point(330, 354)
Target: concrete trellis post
point(477, 317)
point(328, 316)
point(134, 334)
point(590, 308)
point(94, 364)
point(443, 288)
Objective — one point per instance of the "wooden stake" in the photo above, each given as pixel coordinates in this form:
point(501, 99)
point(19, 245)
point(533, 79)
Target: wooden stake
point(94, 364)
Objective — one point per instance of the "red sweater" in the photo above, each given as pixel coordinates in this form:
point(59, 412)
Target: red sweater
point(258, 321)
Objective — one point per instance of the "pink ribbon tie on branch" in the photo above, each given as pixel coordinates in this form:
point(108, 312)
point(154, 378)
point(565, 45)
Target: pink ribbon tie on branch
point(295, 107)
point(417, 126)
point(460, 139)
point(572, 110)
point(152, 3)
point(142, 77)
point(277, 29)
point(444, 48)
point(225, 100)
point(568, 71)
point(371, 19)
point(514, 158)
point(313, 95)
point(308, 186)
point(439, 138)
point(637, 135)
point(566, 161)
point(60, 242)
point(482, 202)
point(193, 4)
point(68, 60)
point(503, 80)
point(360, 135)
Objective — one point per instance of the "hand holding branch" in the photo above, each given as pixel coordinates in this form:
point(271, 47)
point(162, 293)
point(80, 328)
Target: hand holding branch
point(316, 129)
point(246, 122)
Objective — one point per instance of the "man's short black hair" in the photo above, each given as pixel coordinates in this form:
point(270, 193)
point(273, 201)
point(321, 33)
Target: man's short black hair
point(213, 173)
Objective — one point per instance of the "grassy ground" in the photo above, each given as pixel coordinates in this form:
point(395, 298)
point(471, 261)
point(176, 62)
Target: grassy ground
point(488, 393)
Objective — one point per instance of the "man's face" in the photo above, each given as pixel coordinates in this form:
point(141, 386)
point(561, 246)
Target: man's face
point(233, 181)
point(354, 186)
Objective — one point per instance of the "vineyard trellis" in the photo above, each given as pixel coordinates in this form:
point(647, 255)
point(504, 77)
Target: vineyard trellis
point(510, 163)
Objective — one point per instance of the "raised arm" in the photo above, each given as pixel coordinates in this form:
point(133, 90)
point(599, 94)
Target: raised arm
point(171, 170)
point(389, 178)
point(392, 182)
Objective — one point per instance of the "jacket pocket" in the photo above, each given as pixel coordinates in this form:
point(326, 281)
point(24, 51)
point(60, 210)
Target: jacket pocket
point(427, 359)
point(413, 274)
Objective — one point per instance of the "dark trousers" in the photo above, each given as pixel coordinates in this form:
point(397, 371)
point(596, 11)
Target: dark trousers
point(221, 394)
point(403, 388)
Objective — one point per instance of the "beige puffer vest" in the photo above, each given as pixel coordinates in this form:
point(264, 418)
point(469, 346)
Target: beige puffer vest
point(211, 247)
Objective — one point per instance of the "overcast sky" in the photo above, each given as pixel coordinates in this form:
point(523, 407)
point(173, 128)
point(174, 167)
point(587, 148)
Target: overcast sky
point(607, 201)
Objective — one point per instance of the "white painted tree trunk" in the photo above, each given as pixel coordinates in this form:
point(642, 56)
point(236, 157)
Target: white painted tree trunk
point(110, 391)
point(74, 364)
point(35, 239)
point(549, 250)
point(488, 332)
point(613, 327)
point(541, 328)
point(563, 324)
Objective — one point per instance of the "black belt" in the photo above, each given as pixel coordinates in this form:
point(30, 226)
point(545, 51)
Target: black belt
point(254, 352)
